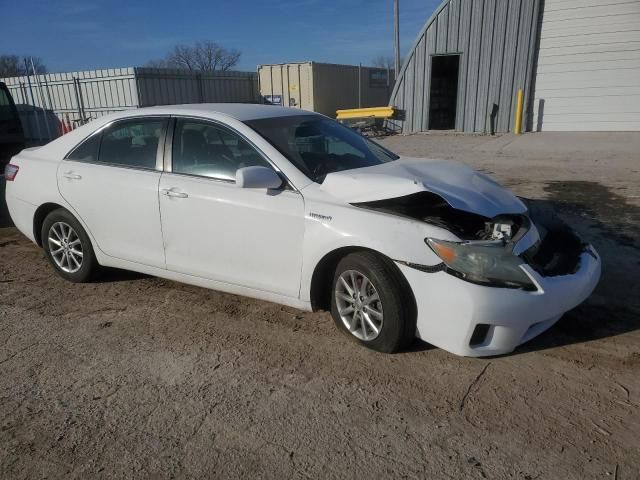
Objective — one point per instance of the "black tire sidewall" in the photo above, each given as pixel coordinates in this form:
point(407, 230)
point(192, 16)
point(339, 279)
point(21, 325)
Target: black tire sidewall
point(398, 327)
point(89, 262)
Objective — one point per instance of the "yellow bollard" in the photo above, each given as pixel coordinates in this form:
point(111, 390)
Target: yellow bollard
point(519, 102)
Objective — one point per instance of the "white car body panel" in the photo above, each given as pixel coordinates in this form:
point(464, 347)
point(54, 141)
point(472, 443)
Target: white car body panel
point(516, 316)
point(267, 244)
point(458, 184)
point(119, 206)
point(221, 232)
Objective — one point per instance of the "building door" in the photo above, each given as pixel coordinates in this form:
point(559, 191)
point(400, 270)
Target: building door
point(443, 94)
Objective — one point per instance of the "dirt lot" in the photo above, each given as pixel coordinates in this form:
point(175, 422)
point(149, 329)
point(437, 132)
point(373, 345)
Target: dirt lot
point(140, 377)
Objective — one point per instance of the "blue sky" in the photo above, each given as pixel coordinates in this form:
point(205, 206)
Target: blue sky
point(86, 34)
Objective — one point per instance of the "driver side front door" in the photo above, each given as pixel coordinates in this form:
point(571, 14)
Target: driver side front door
point(216, 230)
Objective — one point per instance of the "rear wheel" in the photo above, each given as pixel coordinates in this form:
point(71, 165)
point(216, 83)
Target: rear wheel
point(67, 247)
point(371, 302)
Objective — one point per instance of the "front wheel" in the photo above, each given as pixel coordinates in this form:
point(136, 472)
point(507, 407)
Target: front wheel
point(67, 247)
point(371, 301)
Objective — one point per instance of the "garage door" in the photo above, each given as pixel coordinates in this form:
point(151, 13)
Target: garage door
point(589, 66)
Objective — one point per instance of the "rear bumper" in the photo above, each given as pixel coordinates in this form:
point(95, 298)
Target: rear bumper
point(22, 214)
point(450, 309)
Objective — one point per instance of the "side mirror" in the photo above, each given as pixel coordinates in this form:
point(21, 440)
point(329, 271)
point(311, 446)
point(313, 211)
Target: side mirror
point(257, 177)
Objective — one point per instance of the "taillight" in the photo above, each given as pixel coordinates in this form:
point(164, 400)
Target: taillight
point(10, 172)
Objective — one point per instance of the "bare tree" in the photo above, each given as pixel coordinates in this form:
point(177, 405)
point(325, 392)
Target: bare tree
point(384, 61)
point(15, 65)
point(205, 56)
point(158, 63)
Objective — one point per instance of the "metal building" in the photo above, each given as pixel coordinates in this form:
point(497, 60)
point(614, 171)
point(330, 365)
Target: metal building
point(43, 101)
point(588, 69)
point(466, 66)
point(324, 87)
point(577, 62)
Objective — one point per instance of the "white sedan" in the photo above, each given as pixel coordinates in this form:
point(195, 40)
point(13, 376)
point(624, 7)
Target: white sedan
point(291, 207)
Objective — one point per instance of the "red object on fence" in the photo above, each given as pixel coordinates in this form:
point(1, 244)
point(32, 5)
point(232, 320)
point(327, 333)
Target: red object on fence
point(65, 125)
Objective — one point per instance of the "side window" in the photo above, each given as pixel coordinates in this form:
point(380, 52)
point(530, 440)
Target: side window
point(87, 151)
point(208, 150)
point(132, 143)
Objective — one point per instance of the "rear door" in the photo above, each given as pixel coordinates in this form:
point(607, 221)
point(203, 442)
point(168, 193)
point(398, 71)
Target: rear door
point(111, 181)
point(216, 230)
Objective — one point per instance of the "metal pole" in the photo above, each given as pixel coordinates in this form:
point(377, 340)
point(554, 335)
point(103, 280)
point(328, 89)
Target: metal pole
point(76, 83)
point(519, 102)
point(46, 85)
point(360, 85)
point(396, 36)
point(33, 102)
point(42, 102)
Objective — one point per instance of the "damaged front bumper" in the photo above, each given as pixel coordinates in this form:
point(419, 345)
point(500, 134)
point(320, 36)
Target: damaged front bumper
point(474, 320)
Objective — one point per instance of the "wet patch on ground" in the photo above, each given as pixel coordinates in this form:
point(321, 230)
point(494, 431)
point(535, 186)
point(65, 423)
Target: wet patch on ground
point(599, 205)
point(605, 219)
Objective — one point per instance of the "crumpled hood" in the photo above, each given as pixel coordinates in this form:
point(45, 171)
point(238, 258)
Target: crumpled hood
point(459, 185)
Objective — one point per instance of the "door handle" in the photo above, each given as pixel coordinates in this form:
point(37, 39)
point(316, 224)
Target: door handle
point(171, 193)
point(72, 176)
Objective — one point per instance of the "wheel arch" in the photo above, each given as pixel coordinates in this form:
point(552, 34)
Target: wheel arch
point(38, 219)
point(322, 277)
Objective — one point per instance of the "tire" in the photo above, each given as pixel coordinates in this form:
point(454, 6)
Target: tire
point(76, 262)
point(396, 326)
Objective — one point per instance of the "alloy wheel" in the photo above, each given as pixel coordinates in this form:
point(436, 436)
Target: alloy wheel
point(359, 305)
point(65, 247)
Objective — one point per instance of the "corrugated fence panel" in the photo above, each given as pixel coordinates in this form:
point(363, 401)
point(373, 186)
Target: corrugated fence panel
point(496, 42)
point(83, 96)
point(78, 96)
point(160, 86)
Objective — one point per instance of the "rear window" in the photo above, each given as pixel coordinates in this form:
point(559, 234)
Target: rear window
point(132, 143)
point(88, 150)
point(127, 143)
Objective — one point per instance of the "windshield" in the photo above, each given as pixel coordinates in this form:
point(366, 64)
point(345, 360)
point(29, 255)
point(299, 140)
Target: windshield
point(318, 146)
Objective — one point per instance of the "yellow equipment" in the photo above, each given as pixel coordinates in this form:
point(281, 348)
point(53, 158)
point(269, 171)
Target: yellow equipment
point(372, 112)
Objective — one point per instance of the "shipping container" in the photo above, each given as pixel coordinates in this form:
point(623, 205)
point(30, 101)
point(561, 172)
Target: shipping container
point(324, 87)
point(44, 101)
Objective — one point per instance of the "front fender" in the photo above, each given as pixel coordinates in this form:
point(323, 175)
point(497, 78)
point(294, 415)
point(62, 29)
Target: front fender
point(332, 227)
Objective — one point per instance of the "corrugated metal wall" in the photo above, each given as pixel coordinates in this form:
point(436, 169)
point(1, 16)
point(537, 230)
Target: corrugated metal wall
point(336, 87)
point(292, 81)
point(169, 87)
point(496, 41)
point(589, 66)
point(83, 96)
point(325, 87)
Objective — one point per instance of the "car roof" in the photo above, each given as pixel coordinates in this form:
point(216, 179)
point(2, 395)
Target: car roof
point(239, 111)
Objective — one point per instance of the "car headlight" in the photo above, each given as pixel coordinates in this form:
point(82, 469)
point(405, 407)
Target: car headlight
point(487, 263)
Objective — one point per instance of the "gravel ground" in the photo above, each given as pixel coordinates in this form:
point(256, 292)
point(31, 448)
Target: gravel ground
point(136, 377)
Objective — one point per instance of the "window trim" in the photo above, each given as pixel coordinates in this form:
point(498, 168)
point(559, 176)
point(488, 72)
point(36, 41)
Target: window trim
point(100, 131)
point(168, 151)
